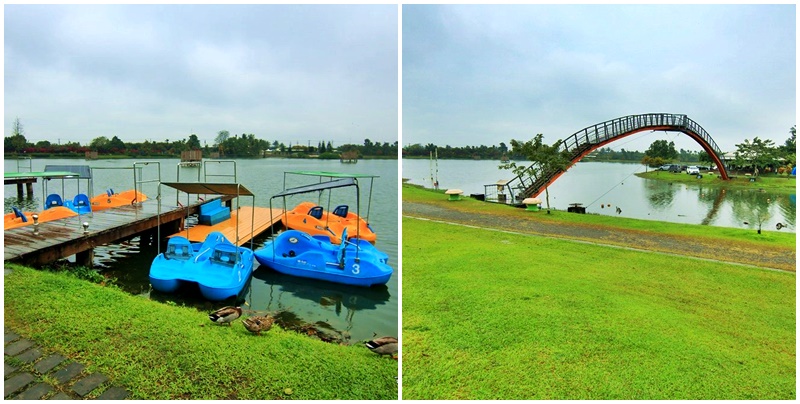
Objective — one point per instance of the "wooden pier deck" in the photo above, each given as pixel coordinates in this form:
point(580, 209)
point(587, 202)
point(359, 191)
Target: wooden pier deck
point(261, 222)
point(63, 238)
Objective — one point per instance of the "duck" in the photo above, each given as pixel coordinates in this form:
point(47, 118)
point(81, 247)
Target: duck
point(225, 315)
point(383, 346)
point(256, 324)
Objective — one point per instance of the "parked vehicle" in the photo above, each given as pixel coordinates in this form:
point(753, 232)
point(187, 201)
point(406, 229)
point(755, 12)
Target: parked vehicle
point(692, 170)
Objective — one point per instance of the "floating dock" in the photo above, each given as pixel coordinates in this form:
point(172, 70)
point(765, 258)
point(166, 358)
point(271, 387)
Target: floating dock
point(263, 220)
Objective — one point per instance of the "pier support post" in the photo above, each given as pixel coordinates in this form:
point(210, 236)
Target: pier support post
point(29, 186)
point(19, 190)
point(146, 238)
point(85, 258)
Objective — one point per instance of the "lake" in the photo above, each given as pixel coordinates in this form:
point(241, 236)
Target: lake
point(604, 187)
point(338, 311)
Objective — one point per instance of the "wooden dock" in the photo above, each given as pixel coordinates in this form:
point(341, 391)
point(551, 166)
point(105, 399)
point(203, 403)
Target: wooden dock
point(63, 238)
point(261, 222)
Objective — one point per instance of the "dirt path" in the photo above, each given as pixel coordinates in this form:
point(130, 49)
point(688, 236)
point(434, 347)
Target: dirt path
point(777, 258)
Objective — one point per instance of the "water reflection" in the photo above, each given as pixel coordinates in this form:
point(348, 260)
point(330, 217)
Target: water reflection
point(788, 207)
point(660, 194)
point(329, 306)
point(755, 208)
point(25, 203)
point(713, 199)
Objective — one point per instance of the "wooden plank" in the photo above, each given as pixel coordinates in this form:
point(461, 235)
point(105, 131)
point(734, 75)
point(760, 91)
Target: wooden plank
point(65, 237)
point(260, 223)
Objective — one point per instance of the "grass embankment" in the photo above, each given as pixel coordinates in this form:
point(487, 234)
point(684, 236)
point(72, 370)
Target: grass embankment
point(490, 315)
point(734, 238)
point(773, 183)
point(158, 351)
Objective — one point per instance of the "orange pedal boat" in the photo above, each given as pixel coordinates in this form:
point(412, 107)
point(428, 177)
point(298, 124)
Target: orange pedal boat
point(311, 218)
point(18, 218)
point(112, 200)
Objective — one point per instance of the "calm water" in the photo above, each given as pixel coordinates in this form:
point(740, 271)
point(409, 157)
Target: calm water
point(337, 310)
point(602, 187)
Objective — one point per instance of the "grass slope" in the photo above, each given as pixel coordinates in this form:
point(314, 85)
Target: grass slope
point(158, 351)
point(502, 316)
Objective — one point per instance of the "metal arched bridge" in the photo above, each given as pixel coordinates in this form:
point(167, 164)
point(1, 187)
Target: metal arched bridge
point(578, 145)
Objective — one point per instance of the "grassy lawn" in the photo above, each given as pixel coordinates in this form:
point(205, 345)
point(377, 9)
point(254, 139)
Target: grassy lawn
point(488, 315)
point(730, 236)
point(774, 183)
point(157, 351)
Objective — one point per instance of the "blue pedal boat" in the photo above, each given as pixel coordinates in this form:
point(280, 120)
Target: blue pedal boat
point(219, 268)
point(352, 262)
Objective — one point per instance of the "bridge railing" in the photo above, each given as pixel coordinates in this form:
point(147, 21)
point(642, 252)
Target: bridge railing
point(533, 180)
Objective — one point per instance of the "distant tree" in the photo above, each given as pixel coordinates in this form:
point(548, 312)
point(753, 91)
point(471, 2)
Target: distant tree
point(653, 161)
point(116, 144)
point(16, 128)
point(546, 159)
point(193, 143)
point(791, 142)
point(758, 154)
point(222, 136)
point(660, 148)
point(329, 148)
point(99, 143)
point(789, 148)
point(15, 143)
point(703, 157)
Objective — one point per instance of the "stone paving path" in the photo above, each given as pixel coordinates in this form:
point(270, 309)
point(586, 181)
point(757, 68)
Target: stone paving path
point(33, 374)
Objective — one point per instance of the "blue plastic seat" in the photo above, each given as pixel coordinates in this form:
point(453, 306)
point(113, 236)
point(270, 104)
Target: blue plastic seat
point(18, 213)
point(178, 248)
point(224, 254)
point(53, 200)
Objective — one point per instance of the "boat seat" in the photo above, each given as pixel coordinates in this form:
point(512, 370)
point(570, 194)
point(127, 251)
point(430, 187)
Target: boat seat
point(341, 211)
point(178, 248)
point(316, 212)
point(81, 200)
point(18, 213)
point(224, 254)
point(110, 192)
point(53, 200)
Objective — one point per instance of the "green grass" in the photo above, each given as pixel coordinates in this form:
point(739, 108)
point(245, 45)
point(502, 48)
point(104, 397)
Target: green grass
point(731, 236)
point(773, 183)
point(490, 315)
point(158, 351)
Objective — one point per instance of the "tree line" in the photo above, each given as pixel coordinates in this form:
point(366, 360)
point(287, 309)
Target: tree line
point(502, 151)
point(224, 145)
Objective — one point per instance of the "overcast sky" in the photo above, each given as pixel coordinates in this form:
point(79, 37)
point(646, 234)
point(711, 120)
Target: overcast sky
point(288, 73)
point(477, 75)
